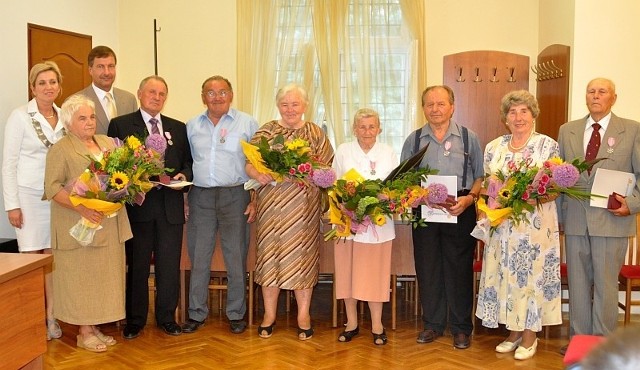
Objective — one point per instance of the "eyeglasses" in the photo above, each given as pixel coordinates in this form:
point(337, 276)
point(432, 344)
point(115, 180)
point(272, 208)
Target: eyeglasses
point(221, 93)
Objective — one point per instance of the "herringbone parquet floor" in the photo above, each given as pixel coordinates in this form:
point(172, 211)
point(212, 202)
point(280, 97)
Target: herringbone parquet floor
point(214, 347)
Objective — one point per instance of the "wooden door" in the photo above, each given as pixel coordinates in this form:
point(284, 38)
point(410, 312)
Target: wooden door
point(68, 49)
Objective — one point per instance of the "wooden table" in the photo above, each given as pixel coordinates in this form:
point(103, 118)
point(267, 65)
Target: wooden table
point(23, 338)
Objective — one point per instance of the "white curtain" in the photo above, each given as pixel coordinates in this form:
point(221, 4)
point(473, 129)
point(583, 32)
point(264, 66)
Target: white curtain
point(348, 54)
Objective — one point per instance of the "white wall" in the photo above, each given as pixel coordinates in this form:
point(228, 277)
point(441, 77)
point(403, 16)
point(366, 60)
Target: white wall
point(454, 26)
point(606, 45)
point(98, 19)
point(196, 41)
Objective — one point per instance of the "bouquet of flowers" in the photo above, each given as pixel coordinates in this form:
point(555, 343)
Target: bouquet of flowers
point(287, 160)
point(120, 176)
point(356, 203)
point(511, 195)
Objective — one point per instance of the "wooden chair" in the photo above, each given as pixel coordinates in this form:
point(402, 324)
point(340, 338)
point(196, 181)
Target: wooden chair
point(629, 276)
point(477, 270)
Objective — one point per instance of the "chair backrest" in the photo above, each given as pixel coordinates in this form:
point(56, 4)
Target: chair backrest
point(633, 252)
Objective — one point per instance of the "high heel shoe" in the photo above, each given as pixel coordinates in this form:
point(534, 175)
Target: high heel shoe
point(380, 339)
point(523, 353)
point(53, 329)
point(506, 346)
point(266, 331)
point(347, 335)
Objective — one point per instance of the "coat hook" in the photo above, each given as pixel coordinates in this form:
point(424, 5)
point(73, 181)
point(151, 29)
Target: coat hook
point(495, 72)
point(535, 70)
point(460, 78)
point(511, 78)
point(477, 79)
point(558, 69)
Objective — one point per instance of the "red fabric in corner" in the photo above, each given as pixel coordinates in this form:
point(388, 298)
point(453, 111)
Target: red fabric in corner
point(580, 346)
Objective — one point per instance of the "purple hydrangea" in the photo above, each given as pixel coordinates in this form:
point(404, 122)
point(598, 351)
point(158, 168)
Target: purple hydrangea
point(437, 193)
point(565, 175)
point(324, 177)
point(156, 142)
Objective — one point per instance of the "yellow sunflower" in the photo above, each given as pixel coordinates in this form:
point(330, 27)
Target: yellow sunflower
point(119, 180)
point(133, 142)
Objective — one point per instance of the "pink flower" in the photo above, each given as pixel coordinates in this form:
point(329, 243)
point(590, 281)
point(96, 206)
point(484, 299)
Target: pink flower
point(525, 196)
point(542, 190)
point(292, 171)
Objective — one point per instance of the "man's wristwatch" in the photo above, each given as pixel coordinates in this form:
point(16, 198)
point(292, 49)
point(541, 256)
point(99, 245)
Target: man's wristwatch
point(474, 196)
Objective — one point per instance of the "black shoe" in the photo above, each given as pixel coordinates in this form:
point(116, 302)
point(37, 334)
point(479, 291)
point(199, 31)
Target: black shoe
point(266, 331)
point(171, 328)
point(191, 325)
point(237, 326)
point(131, 331)
point(461, 341)
point(428, 336)
point(563, 349)
point(380, 339)
point(347, 335)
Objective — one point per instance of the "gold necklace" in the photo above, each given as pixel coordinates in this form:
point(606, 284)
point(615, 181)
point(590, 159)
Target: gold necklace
point(520, 147)
point(51, 116)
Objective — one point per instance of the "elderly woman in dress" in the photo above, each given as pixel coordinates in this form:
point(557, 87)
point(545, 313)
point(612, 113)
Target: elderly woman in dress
point(363, 262)
point(520, 282)
point(88, 281)
point(31, 129)
point(289, 217)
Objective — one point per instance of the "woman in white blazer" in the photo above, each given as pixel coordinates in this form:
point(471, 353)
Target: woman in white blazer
point(31, 129)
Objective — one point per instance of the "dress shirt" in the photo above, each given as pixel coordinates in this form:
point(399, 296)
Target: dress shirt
point(101, 94)
point(218, 159)
point(146, 117)
point(24, 154)
point(451, 164)
point(382, 159)
point(588, 129)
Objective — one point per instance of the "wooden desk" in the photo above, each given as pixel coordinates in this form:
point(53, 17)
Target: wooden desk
point(217, 265)
point(23, 338)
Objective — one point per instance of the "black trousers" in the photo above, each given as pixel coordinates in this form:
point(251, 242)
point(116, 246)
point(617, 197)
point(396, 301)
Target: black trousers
point(444, 266)
point(164, 241)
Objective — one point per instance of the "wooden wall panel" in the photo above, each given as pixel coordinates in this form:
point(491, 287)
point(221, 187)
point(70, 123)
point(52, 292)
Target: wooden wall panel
point(552, 90)
point(479, 80)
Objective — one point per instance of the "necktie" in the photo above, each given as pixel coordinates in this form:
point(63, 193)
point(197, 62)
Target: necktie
point(111, 106)
point(154, 126)
point(594, 144)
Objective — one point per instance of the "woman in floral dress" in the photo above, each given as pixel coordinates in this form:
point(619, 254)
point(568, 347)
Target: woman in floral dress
point(520, 282)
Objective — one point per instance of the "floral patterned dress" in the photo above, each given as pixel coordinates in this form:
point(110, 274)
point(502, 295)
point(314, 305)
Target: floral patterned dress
point(520, 282)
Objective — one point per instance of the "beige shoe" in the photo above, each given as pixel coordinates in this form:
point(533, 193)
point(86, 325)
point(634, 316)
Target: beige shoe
point(506, 346)
point(526, 353)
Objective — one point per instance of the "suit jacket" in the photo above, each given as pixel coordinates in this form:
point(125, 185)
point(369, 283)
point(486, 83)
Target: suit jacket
point(66, 160)
point(177, 157)
point(125, 103)
point(578, 216)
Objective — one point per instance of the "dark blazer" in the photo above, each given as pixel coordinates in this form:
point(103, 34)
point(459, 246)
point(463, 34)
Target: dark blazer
point(125, 103)
point(177, 157)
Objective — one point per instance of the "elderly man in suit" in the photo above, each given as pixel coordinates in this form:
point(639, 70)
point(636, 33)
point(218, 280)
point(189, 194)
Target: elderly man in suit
point(158, 223)
point(596, 238)
point(110, 101)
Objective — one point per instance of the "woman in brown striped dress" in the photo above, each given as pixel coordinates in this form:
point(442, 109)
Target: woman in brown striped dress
point(289, 217)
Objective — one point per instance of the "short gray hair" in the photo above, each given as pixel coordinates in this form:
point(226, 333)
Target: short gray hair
point(292, 88)
point(518, 97)
point(71, 106)
point(365, 113)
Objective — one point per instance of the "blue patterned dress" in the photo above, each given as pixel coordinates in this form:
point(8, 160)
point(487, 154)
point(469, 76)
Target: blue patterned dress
point(520, 282)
